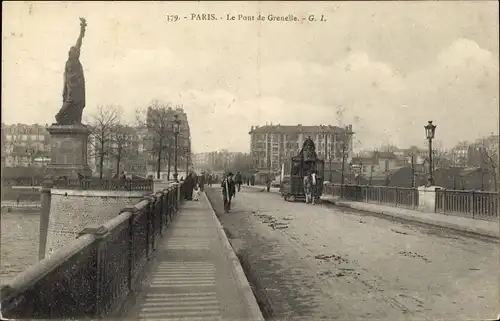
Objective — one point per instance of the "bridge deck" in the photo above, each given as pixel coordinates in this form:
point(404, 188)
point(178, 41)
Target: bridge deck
point(193, 275)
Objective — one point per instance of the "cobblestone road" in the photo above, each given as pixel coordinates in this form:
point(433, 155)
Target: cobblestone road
point(318, 261)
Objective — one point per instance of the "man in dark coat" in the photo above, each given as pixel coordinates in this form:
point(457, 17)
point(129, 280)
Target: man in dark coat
point(189, 184)
point(201, 182)
point(228, 191)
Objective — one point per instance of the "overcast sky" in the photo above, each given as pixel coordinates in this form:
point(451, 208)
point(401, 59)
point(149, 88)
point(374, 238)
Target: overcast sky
point(389, 66)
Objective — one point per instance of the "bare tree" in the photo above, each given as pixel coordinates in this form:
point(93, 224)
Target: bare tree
point(120, 144)
point(158, 119)
point(440, 156)
point(489, 159)
point(168, 153)
point(102, 125)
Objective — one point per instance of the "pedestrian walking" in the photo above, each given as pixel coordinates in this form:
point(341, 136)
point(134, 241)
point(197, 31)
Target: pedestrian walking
point(238, 180)
point(268, 183)
point(228, 191)
point(201, 181)
point(189, 185)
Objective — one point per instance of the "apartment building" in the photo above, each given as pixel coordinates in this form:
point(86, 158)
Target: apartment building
point(25, 145)
point(473, 154)
point(271, 145)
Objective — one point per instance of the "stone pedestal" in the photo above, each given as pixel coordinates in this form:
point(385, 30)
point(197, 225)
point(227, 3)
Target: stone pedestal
point(427, 198)
point(68, 151)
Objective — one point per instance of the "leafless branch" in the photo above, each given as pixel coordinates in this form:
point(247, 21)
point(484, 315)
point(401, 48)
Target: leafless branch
point(158, 119)
point(102, 125)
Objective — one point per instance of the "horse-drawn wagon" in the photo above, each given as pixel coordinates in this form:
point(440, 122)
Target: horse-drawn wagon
point(300, 166)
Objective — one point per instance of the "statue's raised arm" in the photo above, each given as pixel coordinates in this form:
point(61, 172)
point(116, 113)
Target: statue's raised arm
point(83, 25)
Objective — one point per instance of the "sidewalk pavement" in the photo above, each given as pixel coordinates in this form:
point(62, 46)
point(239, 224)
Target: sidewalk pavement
point(194, 273)
point(475, 226)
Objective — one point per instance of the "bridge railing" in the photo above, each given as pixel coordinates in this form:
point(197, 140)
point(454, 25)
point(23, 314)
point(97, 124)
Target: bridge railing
point(22, 181)
point(93, 274)
point(92, 183)
point(104, 184)
point(473, 204)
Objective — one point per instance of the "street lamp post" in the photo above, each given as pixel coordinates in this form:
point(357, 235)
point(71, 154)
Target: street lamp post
point(360, 170)
point(345, 141)
point(176, 125)
point(350, 172)
point(430, 131)
point(188, 154)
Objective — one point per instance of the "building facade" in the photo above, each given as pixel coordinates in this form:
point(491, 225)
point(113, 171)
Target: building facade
point(271, 145)
point(25, 145)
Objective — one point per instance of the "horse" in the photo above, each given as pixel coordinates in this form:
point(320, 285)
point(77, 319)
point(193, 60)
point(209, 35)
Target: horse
point(309, 188)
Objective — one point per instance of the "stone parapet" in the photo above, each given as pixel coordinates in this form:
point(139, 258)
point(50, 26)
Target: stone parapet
point(71, 210)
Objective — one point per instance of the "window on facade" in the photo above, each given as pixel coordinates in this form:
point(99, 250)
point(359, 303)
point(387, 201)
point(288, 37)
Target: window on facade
point(386, 165)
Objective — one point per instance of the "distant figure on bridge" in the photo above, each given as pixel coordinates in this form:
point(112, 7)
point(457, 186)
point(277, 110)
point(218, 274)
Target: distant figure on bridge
point(228, 191)
point(238, 180)
point(268, 182)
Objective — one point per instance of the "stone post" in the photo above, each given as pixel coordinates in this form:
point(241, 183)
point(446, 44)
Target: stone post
point(46, 197)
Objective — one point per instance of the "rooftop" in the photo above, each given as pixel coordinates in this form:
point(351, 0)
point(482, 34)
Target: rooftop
point(293, 129)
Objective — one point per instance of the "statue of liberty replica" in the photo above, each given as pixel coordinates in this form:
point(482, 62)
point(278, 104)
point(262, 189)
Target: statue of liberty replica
point(74, 85)
point(69, 137)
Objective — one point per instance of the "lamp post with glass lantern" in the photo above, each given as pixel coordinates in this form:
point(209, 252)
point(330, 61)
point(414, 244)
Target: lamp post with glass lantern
point(346, 137)
point(430, 131)
point(176, 127)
